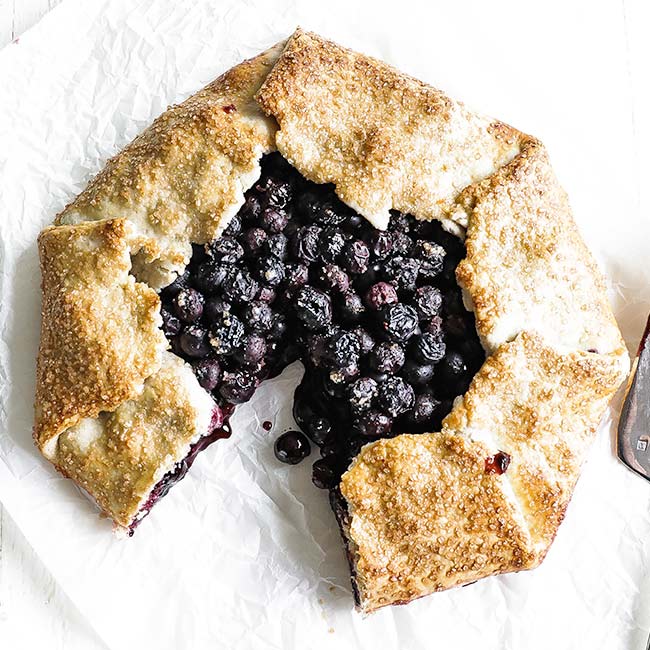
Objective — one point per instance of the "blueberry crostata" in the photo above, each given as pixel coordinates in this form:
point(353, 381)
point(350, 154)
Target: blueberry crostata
point(315, 205)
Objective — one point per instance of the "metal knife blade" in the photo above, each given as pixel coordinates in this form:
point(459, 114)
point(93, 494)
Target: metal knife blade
point(633, 434)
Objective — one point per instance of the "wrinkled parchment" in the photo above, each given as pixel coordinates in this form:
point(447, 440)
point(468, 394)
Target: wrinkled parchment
point(244, 553)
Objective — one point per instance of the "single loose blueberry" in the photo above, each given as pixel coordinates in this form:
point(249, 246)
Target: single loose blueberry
point(291, 447)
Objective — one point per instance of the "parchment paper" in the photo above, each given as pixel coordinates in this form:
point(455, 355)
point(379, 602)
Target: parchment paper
point(245, 553)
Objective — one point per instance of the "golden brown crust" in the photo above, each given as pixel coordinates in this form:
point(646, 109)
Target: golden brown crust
point(527, 267)
point(121, 455)
point(384, 139)
point(424, 513)
point(100, 336)
point(183, 178)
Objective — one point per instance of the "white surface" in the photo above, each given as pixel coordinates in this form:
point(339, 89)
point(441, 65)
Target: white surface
point(573, 90)
point(34, 611)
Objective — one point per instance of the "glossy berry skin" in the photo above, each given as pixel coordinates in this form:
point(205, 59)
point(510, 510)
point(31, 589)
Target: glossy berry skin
point(291, 447)
point(395, 396)
point(188, 305)
point(210, 276)
point(350, 307)
point(253, 240)
point(171, 325)
point(193, 342)
point(342, 349)
point(430, 257)
point(270, 270)
point(428, 348)
point(319, 430)
point(380, 295)
point(208, 373)
point(227, 334)
point(361, 394)
point(325, 473)
point(314, 308)
point(274, 220)
point(402, 272)
point(373, 424)
point(355, 256)
point(427, 301)
point(237, 387)
point(417, 374)
point(240, 287)
point(399, 321)
point(305, 243)
point(386, 358)
point(424, 409)
point(226, 250)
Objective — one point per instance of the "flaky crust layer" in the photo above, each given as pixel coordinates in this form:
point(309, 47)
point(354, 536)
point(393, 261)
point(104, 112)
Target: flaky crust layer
point(423, 513)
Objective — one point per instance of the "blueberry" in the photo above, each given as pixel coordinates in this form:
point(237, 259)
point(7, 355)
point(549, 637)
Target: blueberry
point(182, 281)
point(188, 305)
point(399, 321)
point(251, 209)
point(366, 342)
point(253, 239)
point(417, 374)
point(214, 307)
point(303, 412)
point(296, 275)
point(350, 307)
point(251, 350)
point(237, 387)
point(276, 245)
point(353, 221)
point(193, 342)
point(278, 328)
point(428, 348)
point(274, 220)
point(240, 287)
point(381, 294)
point(313, 308)
point(333, 278)
point(258, 317)
point(331, 245)
point(361, 393)
point(402, 244)
point(277, 193)
point(343, 349)
point(208, 373)
point(330, 448)
point(226, 250)
point(319, 430)
point(234, 227)
point(291, 447)
point(170, 324)
point(402, 272)
point(395, 396)
point(266, 294)
point(386, 357)
point(210, 276)
point(430, 256)
point(304, 244)
point(424, 409)
point(380, 244)
point(325, 473)
point(427, 301)
point(434, 326)
point(355, 256)
point(341, 376)
point(226, 334)
point(270, 270)
point(373, 424)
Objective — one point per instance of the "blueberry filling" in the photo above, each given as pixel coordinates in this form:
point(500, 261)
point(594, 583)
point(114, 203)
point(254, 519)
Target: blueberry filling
point(376, 317)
